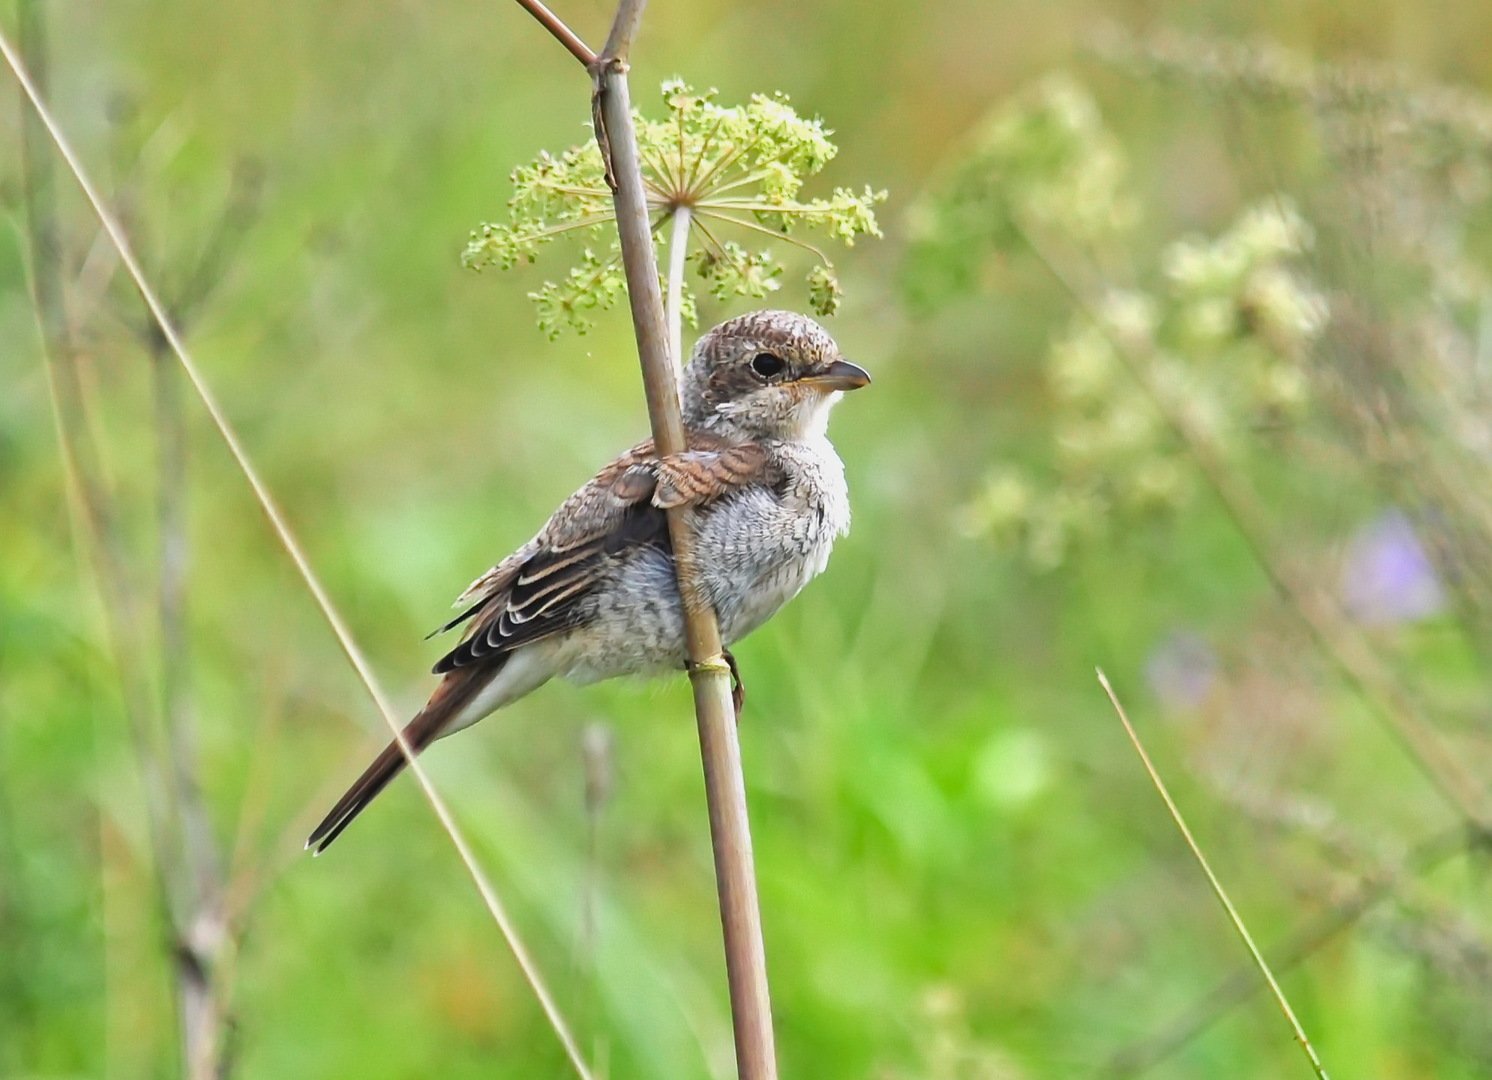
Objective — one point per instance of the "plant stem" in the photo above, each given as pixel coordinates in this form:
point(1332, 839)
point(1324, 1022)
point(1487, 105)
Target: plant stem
point(1372, 887)
point(725, 788)
point(95, 524)
point(202, 934)
point(566, 37)
point(1217, 886)
point(678, 250)
point(596, 756)
point(293, 549)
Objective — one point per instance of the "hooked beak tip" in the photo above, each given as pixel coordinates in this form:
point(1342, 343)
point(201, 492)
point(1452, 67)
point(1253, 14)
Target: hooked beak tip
point(843, 375)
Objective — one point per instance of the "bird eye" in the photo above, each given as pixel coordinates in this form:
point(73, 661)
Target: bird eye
point(766, 365)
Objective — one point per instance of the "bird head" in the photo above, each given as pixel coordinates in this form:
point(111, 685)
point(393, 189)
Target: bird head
point(766, 375)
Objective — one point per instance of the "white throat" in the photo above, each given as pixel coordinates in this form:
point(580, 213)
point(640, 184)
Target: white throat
point(809, 421)
point(813, 417)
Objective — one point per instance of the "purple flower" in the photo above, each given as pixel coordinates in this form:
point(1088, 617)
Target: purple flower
point(1181, 670)
point(1387, 577)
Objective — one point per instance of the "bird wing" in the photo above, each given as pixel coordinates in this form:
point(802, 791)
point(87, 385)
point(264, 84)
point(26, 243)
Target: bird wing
point(540, 589)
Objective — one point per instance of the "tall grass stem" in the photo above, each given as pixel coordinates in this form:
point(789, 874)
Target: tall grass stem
point(1217, 886)
point(297, 555)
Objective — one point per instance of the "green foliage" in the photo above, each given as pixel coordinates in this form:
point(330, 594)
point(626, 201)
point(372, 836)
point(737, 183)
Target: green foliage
point(731, 168)
point(1222, 335)
point(963, 873)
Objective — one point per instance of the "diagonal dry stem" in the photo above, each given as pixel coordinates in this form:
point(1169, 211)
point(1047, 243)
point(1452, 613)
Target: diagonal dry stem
point(562, 33)
point(1217, 887)
point(1303, 943)
point(297, 555)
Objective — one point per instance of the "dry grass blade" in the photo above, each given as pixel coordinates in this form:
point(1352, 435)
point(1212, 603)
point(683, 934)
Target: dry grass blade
point(562, 33)
point(1241, 984)
point(292, 547)
point(1217, 887)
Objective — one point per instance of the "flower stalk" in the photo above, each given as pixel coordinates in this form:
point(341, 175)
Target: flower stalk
point(709, 171)
point(678, 251)
point(657, 333)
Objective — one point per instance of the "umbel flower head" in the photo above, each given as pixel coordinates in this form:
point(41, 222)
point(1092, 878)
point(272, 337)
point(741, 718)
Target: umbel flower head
point(736, 171)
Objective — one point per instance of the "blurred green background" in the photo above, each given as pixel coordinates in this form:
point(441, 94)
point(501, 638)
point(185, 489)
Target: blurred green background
point(963, 871)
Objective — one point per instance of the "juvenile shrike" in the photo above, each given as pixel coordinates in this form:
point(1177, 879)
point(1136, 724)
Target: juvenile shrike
point(593, 595)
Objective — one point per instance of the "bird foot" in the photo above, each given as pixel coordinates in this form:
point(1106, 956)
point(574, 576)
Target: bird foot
point(737, 687)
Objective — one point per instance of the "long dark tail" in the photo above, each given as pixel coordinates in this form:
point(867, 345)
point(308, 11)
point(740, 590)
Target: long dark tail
point(453, 694)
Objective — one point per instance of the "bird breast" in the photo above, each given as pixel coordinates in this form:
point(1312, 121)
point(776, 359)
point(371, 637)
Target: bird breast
point(754, 551)
point(759, 549)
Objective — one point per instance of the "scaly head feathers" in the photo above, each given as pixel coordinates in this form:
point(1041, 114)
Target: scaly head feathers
point(766, 375)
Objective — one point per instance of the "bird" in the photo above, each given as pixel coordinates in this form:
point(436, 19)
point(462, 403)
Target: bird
point(594, 594)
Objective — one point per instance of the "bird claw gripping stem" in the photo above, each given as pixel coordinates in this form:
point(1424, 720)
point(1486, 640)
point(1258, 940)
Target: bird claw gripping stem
point(725, 662)
point(599, 69)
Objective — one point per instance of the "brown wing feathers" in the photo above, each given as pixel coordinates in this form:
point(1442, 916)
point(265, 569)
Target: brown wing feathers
point(700, 476)
point(620, 510)
point(541, 590)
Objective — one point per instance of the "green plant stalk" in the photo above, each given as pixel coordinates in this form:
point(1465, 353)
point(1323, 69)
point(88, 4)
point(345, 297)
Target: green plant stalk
point(1217, 886)
point(678, 251)
point(204, 938)
point(96, 536)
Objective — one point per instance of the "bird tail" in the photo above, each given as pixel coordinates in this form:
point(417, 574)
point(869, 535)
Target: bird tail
point(454, 693)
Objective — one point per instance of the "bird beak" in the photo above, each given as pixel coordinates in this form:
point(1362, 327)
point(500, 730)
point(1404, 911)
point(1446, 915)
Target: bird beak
point(840, 375)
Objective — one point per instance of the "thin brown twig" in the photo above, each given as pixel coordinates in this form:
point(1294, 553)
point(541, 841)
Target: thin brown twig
point(1217, 887)
point(297, 555)
point(556, 26)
